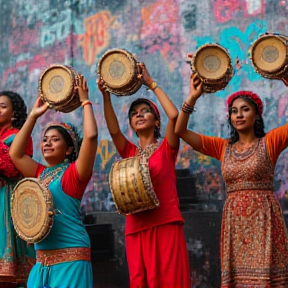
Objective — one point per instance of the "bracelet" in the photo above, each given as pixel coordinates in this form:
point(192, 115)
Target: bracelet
point(85, 102)
point(186, 108)
point(154, 85)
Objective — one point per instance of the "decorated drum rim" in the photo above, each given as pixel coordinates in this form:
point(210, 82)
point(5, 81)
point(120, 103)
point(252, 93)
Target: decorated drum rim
point(126, 88)
point(44, 230)
point(201, 50)
point(282, 65)
point(71, 91)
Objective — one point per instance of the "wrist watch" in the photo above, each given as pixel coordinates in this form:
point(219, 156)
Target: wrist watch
point(153, 85)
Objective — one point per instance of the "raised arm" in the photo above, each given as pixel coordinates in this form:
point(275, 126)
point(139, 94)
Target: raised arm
point(118, 138)
point(87, 153)
point(181, 129)
point(24, 163)
point(168, 106)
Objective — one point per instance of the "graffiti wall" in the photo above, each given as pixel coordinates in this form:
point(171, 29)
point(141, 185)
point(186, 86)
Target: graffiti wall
point(36, 34)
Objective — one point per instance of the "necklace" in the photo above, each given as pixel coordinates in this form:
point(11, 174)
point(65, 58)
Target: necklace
point(148, 150)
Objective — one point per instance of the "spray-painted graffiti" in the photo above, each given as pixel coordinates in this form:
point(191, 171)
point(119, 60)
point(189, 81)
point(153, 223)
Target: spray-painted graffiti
point(225, 11)
point(160, 29)
point(66, 24)
point(106, 154)
point(188, 13)
point(96, 36)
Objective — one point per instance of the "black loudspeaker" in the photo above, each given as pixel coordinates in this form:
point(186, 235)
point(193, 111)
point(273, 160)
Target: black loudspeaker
point(186, 187)
point(102, 241)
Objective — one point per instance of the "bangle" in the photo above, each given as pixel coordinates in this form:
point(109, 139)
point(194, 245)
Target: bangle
point(186, 108)
point(85, 102)
point(154, 85)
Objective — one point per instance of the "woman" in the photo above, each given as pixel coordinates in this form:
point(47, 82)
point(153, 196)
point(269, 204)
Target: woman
point(63, 257)
point(155, 245)
point(16, 258)
point(254, 242)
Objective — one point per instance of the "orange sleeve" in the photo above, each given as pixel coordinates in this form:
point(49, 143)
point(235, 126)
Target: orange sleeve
point(276, 142)
point(213, 146)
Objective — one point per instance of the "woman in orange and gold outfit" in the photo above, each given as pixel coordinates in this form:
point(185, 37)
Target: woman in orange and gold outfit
point(254, 241)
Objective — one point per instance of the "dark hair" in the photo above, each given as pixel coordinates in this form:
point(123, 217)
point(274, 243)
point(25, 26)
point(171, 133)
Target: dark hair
point(139, 101)
point(19, 108)
point(73, 156)
point(258, 125)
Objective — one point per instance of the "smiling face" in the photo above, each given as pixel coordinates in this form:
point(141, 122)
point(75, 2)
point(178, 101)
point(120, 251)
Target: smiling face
point(142, 118)
point(242, 115)
point(6, 111)
point(54, 147)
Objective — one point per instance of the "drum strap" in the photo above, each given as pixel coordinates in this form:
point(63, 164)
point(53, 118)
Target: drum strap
point(52, 257)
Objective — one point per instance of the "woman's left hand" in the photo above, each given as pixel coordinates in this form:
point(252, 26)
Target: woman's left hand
point(82, 88)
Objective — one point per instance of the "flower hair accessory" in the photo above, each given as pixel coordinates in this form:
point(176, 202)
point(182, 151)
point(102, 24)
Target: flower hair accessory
point(253, 96)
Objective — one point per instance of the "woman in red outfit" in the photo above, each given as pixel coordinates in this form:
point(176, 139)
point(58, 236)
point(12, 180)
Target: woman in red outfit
point(16, 259)
point(155, 245)
point(254, 242)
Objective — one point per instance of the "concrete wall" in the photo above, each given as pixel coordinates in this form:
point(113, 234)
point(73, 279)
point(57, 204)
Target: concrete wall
point(35, 34)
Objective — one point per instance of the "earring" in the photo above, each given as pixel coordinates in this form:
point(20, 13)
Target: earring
point(13, 118)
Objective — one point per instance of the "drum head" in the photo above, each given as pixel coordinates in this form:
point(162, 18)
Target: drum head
point(30, 204)
point(56, 83)
point(269, 53)
point(117, 67)
point(211, 61)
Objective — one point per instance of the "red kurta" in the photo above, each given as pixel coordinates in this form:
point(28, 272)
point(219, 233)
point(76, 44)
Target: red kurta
point(155, 244)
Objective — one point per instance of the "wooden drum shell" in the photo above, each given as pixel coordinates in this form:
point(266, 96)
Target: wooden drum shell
point(131, 186)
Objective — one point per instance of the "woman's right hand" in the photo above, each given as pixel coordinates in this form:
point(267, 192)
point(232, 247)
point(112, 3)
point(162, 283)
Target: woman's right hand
point(101, 86)
point(39, 108)
point(195, 89)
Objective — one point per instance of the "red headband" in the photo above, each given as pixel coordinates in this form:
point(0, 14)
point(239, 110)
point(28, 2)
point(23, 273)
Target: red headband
point(253, 96)
point(149, 102)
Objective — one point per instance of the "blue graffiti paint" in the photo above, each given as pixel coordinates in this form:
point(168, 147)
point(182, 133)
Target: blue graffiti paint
point(238, 44)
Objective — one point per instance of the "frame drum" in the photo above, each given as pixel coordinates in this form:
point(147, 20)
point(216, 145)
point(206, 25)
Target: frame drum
point(212, 64)
point(131, 186)
point(269, 55)
point(30, 204)
point(119, 70)
point(57, 87)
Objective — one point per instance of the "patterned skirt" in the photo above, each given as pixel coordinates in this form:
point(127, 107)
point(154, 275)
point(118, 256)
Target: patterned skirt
point(254, 241)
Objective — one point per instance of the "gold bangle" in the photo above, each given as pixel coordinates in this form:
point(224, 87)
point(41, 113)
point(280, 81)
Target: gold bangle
point(154, 86)
point(85, 102)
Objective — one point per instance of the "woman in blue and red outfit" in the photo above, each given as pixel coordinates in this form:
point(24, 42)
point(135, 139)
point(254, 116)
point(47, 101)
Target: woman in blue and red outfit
point(63, 257)
point(16, 258)
point(155, 246)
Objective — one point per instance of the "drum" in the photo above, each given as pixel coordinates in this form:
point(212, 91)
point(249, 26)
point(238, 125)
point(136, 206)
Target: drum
point(30, 204)
point(119, 70)
point(57, 87)
point(131, 186)
point(212, 64)
point(269, 56)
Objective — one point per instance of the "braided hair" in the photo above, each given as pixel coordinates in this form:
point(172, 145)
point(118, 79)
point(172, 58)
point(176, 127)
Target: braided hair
point(19, 108)
point(258, 125)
